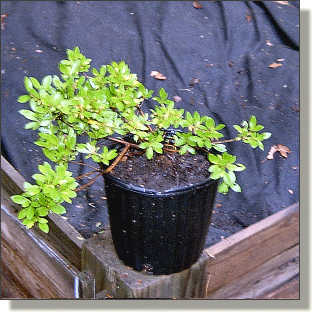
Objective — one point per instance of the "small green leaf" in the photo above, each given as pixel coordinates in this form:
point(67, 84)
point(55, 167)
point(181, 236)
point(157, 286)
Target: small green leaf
point(43, 227)
point(22, 214)
point(28, 223)
point(28, 84)
point(149, 153)
point(42, 211)
point(31, 189)
point(58, 208)
point(19, 199)
point(265, 135)
point(257, 128)
point(223, 188)
point(24, 98)
point(28, 114)
point(235, 187)
point(252, 122)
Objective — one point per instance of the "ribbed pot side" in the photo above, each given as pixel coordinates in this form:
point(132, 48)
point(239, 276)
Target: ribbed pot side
point(160, 233)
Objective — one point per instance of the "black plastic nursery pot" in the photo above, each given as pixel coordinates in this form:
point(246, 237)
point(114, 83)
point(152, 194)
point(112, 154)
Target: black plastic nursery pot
point(159, 232)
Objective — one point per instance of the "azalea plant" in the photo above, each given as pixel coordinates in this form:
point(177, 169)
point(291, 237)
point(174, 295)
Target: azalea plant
point(105, 104)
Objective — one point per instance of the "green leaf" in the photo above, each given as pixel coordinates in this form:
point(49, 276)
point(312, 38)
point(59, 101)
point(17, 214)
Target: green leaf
point(43, 227)
point(240, 167)
point(265, 135)
point(58, 208)
point(46, 82)
point(28, 223)
point(235, 187)
point(28, 114)
point(28, 84)
point(42, 211)
point(149, 153)
point(46, 169)
point(22, 214)
point(258, 128)
point(252, 122)
point(219, 147)
point(30, 213)
point(31, 189)
point(24, 98)
point(223, 188)
point(23, 201)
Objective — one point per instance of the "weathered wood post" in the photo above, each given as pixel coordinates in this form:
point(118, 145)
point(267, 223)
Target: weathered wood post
point(119, 281)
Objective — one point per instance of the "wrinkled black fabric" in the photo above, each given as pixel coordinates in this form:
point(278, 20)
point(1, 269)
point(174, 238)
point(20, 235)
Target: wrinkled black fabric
point(227, 46)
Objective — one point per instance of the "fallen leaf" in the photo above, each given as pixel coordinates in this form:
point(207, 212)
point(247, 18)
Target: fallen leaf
point(197, 5)
point(280, 60)
point(286, 3)
point(248, 16)
point(274, 65)
point(278, 148)
point(177, 98)
point(290, 191)
point(194, 81)
point(158, 75)
point(3, 16)
point(268, 42)
point(39, 51)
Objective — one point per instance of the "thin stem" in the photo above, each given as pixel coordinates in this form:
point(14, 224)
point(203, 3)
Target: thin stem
point(89, 183)
point(87, 174)
point(142, 114)
point(119, 157)
point(84, 164)
point(225, 141)
point(133, 145)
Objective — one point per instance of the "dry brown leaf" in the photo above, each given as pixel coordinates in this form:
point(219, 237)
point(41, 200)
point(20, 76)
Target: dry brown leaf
point(278, 148)
point(268, 42)
point(3, 16)
point(158, 75)
point(194, 81)
point(286, 3)
point(197, 5)
point(274, 65)
point(177, 98)
point(248, 16)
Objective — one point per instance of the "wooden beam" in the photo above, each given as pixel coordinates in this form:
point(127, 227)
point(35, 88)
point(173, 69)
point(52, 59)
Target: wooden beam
point(119, 281)
point(44, 273)
point(63, 236)
point(248, 249)
point(289, 290)
point(264, 279)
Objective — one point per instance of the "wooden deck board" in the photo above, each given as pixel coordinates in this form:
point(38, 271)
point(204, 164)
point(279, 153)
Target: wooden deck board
point(248, 249)
point(264, 279)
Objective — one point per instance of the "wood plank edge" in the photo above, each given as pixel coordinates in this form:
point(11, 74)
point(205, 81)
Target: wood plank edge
point(248, 232)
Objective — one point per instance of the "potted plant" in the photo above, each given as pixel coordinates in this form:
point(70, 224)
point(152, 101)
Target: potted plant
point(160, 229)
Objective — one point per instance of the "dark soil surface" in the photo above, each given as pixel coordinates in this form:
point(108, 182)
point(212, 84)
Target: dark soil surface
point(163, 171)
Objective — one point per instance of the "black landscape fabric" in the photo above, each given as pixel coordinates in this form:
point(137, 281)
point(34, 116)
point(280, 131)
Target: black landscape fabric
point(226, 59)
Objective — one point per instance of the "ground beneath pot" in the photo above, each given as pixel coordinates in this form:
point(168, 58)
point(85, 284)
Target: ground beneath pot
point(163, 171)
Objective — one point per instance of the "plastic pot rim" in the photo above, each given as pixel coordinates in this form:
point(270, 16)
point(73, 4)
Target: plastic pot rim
point(169, 192)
